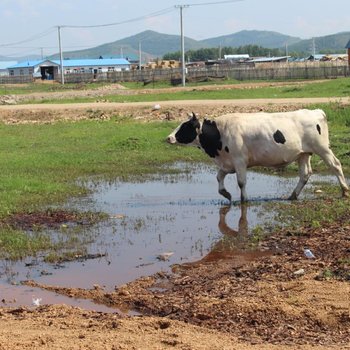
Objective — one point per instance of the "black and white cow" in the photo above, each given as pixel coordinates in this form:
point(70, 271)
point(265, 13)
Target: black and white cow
point(239, 141)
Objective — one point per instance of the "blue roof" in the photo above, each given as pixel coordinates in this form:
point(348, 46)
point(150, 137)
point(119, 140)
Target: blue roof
point(26, 64)
point(94, 62)
point(76, 63)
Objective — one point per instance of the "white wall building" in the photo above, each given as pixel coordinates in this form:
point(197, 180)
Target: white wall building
point(49, 69)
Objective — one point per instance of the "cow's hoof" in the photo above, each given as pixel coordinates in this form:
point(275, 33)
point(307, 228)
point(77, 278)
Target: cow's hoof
point(224, 210)
point(346, 194)
point(293, 197)
point(226, 194)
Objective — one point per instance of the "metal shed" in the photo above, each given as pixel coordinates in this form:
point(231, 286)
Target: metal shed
point(101, 65)
point(348, 48)
point(44, 69)
point(49, 69)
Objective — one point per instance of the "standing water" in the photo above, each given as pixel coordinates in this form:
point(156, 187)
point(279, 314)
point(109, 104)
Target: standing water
point(154, 224)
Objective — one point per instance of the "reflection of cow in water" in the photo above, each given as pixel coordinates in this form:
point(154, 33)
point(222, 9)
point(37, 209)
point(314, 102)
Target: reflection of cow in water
point(239, 141)
point(233, 244)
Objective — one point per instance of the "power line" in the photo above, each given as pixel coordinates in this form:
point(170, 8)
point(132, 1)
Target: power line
point(51, 30)
point(154, 14)
point(47, 47)
point(181, 7)
point(32, 38)
point(213, 3)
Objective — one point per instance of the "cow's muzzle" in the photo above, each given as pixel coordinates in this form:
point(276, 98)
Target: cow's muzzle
point(171, 139)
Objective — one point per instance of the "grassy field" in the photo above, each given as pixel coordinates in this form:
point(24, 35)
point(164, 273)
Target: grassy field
point(331, 88)
point(41, 163)
point(21, 89)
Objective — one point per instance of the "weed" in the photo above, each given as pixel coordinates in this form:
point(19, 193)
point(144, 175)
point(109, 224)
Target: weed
point(55, 257)
point(258, 234)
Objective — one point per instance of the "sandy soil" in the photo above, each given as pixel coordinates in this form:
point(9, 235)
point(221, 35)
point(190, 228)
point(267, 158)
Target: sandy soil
point(278, 300)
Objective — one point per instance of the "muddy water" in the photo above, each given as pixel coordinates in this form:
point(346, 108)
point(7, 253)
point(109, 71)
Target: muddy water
point(154, 224)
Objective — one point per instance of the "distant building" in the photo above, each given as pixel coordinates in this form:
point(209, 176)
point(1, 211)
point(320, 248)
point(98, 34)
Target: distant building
point(328, 57)
point(95, 66)
point(348, 48)
point(50, 69)
point(35, 68)
point(316, 57)
point(238, 57)
point(270, 59)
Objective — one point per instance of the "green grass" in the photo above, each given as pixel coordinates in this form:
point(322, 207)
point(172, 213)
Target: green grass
point(167, 84)
point(40, 164)
point(295, 216)
point(15, 244)
point(20, 89)
point(44, 165)
point(330, 88)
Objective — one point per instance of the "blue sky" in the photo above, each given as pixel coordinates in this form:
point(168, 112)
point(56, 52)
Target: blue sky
point(22, 20)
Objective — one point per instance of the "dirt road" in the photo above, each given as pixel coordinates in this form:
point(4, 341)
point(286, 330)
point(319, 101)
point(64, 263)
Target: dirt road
point(48, 113)
point(262, 304)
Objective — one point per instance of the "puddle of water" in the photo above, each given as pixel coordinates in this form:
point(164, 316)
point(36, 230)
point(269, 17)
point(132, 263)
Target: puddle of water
point(13, 296)
point(183, 215)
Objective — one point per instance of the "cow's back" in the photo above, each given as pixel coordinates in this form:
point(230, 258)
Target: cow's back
point(273, 138)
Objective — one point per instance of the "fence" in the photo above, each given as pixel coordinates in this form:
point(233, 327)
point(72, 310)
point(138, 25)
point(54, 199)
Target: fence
point(22, 79)
point(286, 71)
point(263, 72)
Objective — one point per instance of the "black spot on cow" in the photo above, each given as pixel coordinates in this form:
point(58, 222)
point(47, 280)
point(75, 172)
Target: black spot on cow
point(210, 138)
point(279, 137)
point(188, 131)
point(318, 129)
point(226, 149)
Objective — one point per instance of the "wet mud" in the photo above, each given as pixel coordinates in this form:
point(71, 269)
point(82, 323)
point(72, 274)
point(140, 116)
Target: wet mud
point(152, 226)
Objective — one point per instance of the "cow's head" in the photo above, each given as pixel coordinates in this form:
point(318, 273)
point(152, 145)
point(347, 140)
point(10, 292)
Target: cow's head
point(186, 132)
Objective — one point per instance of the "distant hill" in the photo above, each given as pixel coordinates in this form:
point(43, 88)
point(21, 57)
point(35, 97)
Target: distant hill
point(323, 44)
point(267, 39)
point(154, 44)
point(109, 50)
point(158, 44)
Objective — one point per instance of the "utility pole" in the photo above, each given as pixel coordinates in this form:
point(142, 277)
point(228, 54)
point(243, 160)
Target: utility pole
point(313, 47)
point(140, 53)
point(183, 63)
point(181, 7)
point(61, 54)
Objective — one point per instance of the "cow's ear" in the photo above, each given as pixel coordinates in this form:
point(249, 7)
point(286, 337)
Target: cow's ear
point(194, 121)
point(194, 117)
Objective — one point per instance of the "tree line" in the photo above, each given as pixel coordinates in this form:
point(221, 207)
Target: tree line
point(216, 53)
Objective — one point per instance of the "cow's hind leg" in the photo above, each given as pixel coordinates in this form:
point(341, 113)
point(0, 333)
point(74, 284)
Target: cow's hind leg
point(222, 190)
point(242, 180)
point(334, 164)
point(305, 172)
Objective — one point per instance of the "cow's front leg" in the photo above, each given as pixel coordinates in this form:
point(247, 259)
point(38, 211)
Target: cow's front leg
point(222, 190)
point(242, 180)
